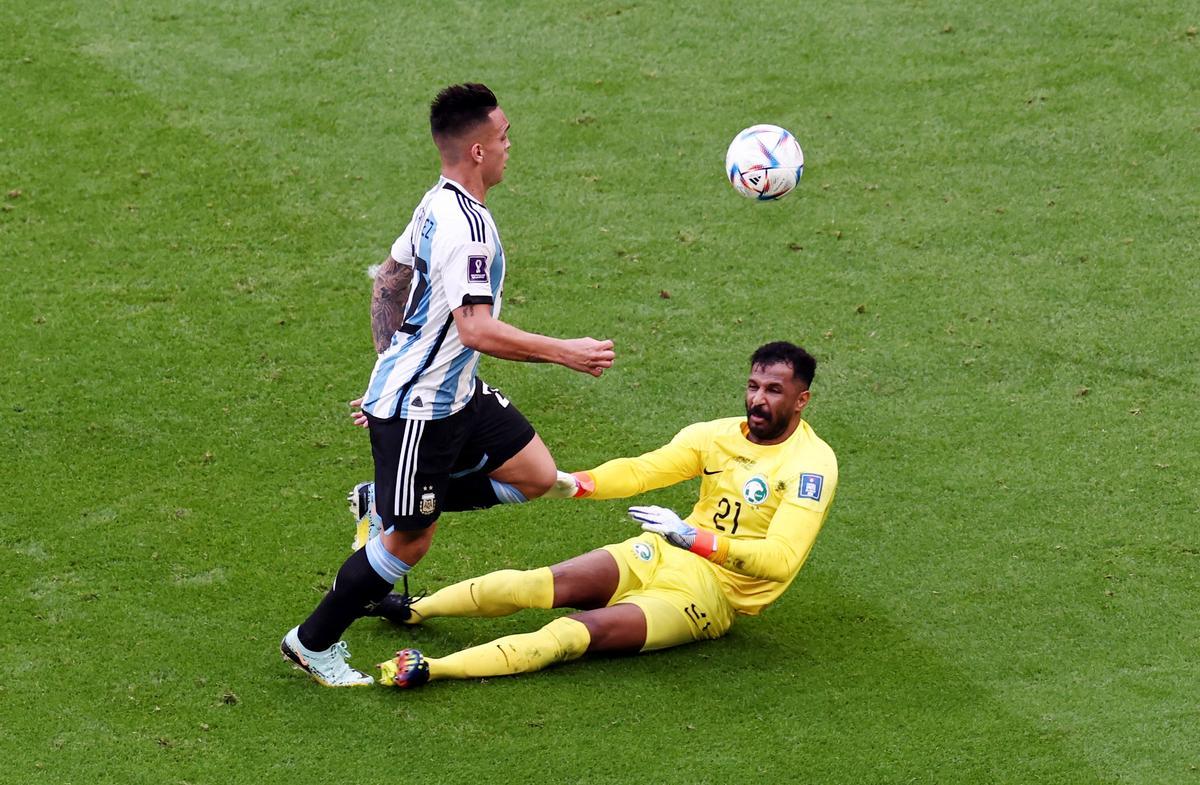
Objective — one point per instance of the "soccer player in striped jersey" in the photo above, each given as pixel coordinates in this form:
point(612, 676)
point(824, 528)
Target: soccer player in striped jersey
point(441, 438)
point(767, 482)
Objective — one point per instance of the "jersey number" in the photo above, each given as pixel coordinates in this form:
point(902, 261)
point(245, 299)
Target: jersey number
point(493, 391)
point(724, 508)
point(697, 616)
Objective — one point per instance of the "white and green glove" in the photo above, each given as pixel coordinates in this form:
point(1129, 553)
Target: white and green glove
point(670, 526)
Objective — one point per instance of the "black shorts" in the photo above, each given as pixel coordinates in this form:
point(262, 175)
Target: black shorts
point(415, 459)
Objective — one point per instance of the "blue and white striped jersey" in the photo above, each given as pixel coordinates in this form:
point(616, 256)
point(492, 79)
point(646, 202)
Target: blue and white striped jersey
point(454, 249)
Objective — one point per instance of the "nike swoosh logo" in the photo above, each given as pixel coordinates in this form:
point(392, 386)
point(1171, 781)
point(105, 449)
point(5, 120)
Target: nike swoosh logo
point(706, 471)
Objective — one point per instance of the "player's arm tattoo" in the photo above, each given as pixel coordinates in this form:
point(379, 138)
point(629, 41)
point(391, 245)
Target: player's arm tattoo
point(388, 301)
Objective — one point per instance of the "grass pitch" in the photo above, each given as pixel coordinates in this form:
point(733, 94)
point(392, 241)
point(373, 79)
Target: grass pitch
point(992, 253)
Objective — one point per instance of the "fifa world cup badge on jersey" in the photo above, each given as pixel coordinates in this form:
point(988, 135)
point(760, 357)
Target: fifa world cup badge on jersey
point(428, 503)
point(810, 486)
point(755, 489)
point(477, 271)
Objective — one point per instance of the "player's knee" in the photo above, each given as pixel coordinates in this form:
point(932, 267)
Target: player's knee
point(504, 591)
point(539, 482)
point(408, 545)
point(571, 638)
point(497, 588)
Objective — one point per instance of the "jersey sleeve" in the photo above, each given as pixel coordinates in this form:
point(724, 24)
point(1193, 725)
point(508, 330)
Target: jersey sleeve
point(402, 249)
point(779, 555)
point(681, 459)
point(466, 270)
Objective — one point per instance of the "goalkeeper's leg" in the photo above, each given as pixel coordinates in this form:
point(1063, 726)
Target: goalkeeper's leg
point(559, 641)
point(495, 594)
point(620, 628)
point(587, 581)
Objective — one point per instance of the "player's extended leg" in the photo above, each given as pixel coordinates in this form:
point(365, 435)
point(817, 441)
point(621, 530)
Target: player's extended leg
point(587, 581)
point(531, 471)
point(526, 475)
point(617, 629)
point(367, 576)
point(657, 604)
point(364, 578)
point(526, 469)
point(620, 628)
point(505, 462)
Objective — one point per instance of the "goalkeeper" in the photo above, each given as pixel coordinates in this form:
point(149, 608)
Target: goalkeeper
point(767, 481)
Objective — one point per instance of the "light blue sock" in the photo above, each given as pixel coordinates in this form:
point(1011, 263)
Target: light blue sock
point(507, 494)
point(389, 566)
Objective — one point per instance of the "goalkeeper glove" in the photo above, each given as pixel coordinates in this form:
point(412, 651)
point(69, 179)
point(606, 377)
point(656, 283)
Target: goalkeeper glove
point(569, 486)
point(662, 521)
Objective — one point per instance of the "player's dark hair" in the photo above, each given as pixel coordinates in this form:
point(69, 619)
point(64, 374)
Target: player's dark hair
point(804, 365)
point(460, 108)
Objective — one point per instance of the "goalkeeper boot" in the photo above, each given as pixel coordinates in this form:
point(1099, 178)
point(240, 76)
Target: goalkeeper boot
point(362, 506)
point(327, 667)
point(396, 607)
point(407, 669)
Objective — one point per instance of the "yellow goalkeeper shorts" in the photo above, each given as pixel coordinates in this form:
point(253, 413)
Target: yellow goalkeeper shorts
point(676, 589)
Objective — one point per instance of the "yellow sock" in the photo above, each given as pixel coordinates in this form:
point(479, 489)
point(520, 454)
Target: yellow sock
point(495, 594)
point(559, 641)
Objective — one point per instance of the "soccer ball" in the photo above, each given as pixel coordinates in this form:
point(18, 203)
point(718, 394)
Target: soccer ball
point(764, 162)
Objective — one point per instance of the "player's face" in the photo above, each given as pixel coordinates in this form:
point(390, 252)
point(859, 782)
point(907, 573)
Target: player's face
point(495, 144)
point(774, 400)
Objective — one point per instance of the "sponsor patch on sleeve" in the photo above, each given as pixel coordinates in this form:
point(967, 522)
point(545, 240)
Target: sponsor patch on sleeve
point(810, 486)
point(477, 269)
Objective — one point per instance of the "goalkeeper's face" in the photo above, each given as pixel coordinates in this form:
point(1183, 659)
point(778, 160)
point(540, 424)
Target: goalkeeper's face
point(774, 401)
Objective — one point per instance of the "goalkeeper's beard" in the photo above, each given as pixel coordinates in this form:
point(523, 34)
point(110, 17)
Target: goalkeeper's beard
point(770, 428)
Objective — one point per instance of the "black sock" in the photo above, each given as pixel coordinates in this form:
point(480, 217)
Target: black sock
point(357, 584)
point(470, 492)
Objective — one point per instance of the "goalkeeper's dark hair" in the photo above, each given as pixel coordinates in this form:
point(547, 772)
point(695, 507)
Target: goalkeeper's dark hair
point(804, 365)
point(459, 108)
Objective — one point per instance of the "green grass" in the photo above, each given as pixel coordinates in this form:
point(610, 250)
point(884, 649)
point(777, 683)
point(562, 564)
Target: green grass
point(993, 254)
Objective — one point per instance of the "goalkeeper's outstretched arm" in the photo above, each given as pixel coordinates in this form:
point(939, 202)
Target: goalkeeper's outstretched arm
point(622, 477)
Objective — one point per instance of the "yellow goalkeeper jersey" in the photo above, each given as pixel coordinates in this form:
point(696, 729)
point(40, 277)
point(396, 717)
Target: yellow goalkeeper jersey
point(768, 500)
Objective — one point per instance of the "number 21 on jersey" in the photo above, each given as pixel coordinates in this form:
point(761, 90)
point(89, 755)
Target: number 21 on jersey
point(723, 513)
